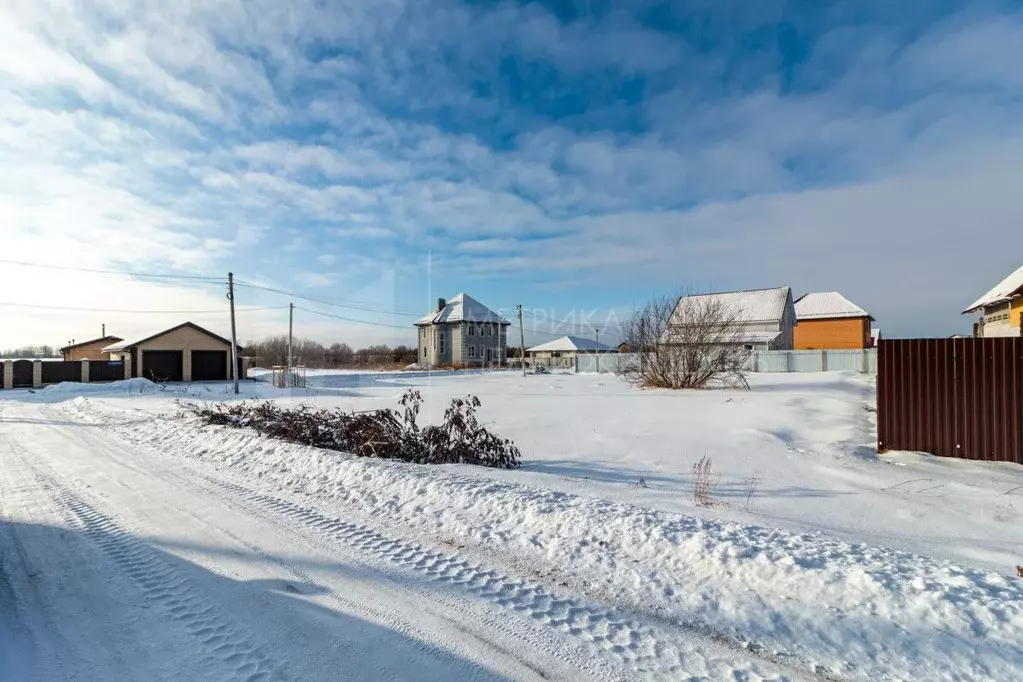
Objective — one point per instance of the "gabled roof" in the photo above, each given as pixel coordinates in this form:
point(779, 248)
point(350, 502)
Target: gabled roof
point(462, 308)
point(1006, 289)
point(111, 339)
point(128, 345)
point(571, 343)
point(754, 305)
point(826, 305)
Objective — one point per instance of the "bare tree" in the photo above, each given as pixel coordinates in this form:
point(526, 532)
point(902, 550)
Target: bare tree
point(686, 342)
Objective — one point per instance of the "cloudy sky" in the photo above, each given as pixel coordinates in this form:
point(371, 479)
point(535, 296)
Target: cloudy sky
point(574, 157)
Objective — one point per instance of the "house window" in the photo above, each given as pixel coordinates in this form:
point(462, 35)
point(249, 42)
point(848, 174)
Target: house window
point(424, 351)
point(472, 351)
point(472, 330)
point(442, 342)
point(490, 330)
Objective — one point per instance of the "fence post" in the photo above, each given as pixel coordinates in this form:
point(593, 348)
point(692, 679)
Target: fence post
point(127, 360)
point(8, 374)
point(85, 371)
point(824, 361)
point(37, 374)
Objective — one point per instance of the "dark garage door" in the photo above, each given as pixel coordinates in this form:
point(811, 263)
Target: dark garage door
point(162, 365)
point(209, 365)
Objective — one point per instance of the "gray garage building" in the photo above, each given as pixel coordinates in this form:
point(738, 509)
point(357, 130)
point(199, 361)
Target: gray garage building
point(186, 352)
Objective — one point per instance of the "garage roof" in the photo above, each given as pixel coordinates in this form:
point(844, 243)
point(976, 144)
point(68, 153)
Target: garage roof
point(127, 345)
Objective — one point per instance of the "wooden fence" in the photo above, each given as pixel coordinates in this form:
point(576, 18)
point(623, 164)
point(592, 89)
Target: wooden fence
point(951, 397)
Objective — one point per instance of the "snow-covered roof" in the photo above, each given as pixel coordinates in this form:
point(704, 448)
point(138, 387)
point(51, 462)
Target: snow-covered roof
point(462, 308)
point(1003, 291)
point(826, 304)
point(122, 345)
point(571, 343)
point(755, 305)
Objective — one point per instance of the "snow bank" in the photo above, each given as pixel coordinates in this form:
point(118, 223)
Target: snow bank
point(137, 385)
point(849, 610)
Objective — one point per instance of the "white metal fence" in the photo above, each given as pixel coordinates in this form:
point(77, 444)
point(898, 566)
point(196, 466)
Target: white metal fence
point(762, 361)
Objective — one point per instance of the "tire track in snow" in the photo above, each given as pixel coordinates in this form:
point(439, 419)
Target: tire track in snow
point(644, 649)
point(211, 488)
point(635, 646)
point(162, 585)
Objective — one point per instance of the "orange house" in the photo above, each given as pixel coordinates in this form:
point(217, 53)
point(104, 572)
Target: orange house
point(827, 320)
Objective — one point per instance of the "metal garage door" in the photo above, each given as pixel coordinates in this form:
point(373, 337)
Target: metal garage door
point(162, 365)
point(209, 365)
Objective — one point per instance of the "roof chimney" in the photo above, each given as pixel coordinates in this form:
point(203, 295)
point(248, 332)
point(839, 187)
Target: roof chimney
point(104, 334)
point(440, 304)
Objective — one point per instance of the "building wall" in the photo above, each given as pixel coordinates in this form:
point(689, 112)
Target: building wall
point(88, 352)
point(185, 339)
point(832, 334)
point(1001, 319)
point(457, 341)
point(480, 337)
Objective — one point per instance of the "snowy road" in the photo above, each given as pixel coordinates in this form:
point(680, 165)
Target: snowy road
point(121, 563)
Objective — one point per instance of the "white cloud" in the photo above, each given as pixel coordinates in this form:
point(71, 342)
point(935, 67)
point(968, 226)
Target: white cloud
point(201, 136)
point(315, 279)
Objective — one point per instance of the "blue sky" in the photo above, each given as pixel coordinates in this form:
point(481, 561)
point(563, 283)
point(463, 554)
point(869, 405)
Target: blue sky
point(574, 157)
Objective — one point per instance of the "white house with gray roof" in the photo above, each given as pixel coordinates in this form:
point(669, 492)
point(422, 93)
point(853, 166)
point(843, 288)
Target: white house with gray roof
point(462, 331)
point(568, 347)
point(766, 318)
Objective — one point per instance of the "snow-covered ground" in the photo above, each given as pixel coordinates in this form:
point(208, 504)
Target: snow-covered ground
point(194, 548)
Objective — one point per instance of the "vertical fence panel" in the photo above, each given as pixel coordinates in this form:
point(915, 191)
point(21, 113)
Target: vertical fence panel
point(957, 398)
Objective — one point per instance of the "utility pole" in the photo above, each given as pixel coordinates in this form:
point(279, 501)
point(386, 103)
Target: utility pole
point(596, 350)
point(234, 336)
point(291, 325)
point(522, 342)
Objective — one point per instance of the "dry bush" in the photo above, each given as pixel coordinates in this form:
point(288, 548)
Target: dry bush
point(749, 488)
point(686, 342)
point(382, 433)
point(702, 482)
point(1019, 571)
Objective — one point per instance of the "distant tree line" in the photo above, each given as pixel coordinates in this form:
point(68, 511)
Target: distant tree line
point(274, 351)
point(30, 352)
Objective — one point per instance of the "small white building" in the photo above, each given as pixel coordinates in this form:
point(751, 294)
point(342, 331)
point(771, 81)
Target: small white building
point(462, 332)
point(568, 347)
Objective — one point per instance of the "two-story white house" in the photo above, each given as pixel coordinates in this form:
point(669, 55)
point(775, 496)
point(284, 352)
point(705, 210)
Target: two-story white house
point(462, 331)
point(765, 319)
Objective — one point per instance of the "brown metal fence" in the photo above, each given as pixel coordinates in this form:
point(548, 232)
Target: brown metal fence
point(951, 397)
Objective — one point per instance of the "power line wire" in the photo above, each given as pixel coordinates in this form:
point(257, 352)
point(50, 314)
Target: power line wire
point(112, 272)
point(352, 319)
point(140, 312)
point(362, 308)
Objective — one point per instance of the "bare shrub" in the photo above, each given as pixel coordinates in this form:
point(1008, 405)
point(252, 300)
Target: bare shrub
point(382, 433)
point(749, 488)
point(1019, 571)
point(702, 482)
point(686, 342)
